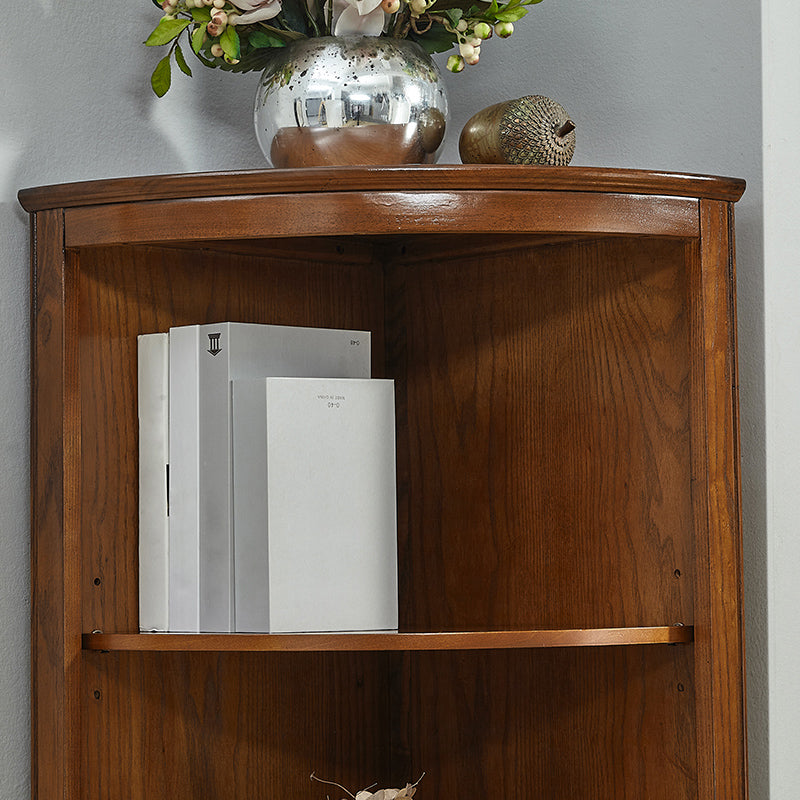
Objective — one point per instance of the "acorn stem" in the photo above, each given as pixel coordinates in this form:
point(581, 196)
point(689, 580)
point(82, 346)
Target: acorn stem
point(566, 128)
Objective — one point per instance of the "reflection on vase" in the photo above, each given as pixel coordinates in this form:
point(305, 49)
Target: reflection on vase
point(350, 100)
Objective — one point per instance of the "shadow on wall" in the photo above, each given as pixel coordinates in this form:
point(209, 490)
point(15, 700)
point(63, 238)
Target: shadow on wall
point(203, 123)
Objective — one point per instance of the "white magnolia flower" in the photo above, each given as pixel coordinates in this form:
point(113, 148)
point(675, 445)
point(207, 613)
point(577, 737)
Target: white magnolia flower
point(364, 17)
point(255, 10)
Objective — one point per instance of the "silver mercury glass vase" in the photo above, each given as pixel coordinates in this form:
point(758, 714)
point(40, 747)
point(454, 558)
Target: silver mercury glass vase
point(350, 100)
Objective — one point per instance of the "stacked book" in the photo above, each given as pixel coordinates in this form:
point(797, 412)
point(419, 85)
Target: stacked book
point(266, 481)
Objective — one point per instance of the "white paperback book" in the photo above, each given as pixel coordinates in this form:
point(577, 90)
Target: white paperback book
point(203, 360)
point(153, 396)
point(315, 511)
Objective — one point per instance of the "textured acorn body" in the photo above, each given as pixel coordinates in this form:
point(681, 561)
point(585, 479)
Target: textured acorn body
point(531, 130)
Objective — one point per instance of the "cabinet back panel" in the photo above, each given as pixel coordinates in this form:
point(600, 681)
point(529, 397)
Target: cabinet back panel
point(128, 291)
point(600, 724)
point(603, 723)
point(545, 467)
point(232, 726)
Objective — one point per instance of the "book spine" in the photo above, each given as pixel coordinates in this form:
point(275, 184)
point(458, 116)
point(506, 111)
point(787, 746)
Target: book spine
point(215, 490)
point(153, 405)
point(184, 548)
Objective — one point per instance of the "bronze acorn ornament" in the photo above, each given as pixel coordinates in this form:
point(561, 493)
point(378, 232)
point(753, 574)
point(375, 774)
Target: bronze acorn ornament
point(531, 130)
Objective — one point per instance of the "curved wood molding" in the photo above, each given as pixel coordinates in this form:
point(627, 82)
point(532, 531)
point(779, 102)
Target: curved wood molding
point(358, 179)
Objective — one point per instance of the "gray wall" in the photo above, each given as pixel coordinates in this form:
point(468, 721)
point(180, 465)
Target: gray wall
point(670, 86)
point(781, 115)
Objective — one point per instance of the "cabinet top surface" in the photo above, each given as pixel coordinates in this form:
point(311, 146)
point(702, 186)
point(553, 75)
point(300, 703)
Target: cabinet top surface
point(428, 178)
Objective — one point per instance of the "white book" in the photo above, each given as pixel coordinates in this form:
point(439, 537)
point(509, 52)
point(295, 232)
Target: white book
point(315, 510)
point(204, 359)
point(153, 394)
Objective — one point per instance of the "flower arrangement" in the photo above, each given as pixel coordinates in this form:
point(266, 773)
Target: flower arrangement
point(238, 35)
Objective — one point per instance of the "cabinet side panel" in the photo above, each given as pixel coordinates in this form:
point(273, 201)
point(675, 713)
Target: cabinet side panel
point(55, 448)
point(719, 625)
point(599, 723)
point(545, 464)
point(127, 291)
point(234, 726)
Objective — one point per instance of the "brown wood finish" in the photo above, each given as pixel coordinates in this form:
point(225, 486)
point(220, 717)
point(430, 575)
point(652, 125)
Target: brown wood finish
point(578, 377)
point(361, 179)
point(232, 725)
point(353, 642)
point(720, 637)
point(595, 723)
point(563, 348)
point(55, 488)
point(344, 213)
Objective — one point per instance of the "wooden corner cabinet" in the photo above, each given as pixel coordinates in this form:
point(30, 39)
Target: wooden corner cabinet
point(563, 345)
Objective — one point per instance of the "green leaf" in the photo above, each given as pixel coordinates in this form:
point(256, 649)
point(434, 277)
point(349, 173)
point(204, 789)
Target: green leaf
point(198, 38)
point(201, 14)
point(181, 61)
point(455, 15)
point(293, 18)
point(259, 39)
point(161, 77)
point(229, 41)
point(511, 16)
point(166, 31)
point(437, 40)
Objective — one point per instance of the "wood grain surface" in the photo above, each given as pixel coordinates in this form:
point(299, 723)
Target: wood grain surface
point(346, 213)
point(388, 641)
point(546, 466)
point(55, 520)
point(233, 726)
point(606, 724)
point(721, 709)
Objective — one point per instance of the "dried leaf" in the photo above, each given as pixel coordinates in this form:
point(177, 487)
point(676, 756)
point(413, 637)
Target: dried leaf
point(382, 794)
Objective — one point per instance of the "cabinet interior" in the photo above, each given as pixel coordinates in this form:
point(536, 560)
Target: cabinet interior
point(544, 481)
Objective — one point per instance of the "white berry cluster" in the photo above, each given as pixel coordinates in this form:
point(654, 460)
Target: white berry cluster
point(471, 34)
point(222, 14)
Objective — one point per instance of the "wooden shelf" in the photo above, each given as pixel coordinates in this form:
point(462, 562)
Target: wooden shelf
point(351, 642)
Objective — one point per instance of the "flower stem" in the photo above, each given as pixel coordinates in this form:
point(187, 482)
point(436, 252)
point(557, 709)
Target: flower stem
point(402, 23)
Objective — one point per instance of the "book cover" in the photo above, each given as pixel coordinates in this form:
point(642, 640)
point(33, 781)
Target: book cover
point(153, 393)
point(315, 511)
point(204, 359)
